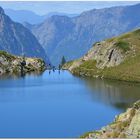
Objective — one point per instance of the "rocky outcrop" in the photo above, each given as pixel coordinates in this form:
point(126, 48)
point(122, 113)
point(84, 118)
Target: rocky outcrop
point(125, 125)
point(106, 54)
point(10, 64)
point(115, 58)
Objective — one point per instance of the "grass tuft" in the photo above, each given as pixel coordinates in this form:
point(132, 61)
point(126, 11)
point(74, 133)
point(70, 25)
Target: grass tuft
point(123, 45)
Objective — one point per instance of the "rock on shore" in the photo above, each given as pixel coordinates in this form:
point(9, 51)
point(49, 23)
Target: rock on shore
point(125, 125)
point(10, 64)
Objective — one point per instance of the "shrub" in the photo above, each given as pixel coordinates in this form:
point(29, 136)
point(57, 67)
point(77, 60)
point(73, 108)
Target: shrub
point(123, 45)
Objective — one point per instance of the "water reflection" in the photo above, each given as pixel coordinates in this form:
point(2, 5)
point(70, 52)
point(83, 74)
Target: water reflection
point(20, 75)
point(59, 105)
point(117, 93)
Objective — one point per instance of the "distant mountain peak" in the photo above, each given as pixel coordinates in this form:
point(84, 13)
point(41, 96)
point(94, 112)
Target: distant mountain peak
point(1, 11)
point(73, 37)
point(18, 40)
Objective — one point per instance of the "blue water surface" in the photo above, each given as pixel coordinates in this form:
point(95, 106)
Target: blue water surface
point(59, 105)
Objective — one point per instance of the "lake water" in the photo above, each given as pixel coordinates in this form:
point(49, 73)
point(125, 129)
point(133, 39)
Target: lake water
point(60, 105)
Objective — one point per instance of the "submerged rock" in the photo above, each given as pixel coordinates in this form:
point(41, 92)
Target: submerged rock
point(125, 125)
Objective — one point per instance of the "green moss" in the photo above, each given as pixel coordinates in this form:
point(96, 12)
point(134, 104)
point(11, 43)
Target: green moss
point(123, 45)
point(3, 52)
point(136, 32)
point(7, 55)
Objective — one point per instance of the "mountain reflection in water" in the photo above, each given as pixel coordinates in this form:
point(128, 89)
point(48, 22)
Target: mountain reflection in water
point(117, 93)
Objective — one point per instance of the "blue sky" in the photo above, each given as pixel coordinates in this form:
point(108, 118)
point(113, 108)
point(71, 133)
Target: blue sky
point(42, 8)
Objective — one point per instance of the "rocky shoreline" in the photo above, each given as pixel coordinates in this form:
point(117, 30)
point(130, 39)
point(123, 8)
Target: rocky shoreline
point(125, 125)
point(118, 59)
point(12, 65)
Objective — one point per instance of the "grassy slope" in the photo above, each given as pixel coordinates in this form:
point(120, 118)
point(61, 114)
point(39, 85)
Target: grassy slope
point(129, 70)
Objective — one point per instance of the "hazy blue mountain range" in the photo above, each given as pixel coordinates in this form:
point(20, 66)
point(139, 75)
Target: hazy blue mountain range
point(24, 16)
point(61, 14)
point(18, 40)
point(31, 17)
point(73, 37)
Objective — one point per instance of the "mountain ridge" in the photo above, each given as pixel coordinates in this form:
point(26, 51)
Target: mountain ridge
point(30, 17)
point(18, 40)
point(87, 28)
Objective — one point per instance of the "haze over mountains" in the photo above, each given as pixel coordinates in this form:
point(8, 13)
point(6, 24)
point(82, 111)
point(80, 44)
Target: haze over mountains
point(73, 37)
point(18, 40)
point(22, 16)
point(31, 17)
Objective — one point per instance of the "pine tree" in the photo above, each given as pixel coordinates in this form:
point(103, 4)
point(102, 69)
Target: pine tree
point(63, 61)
